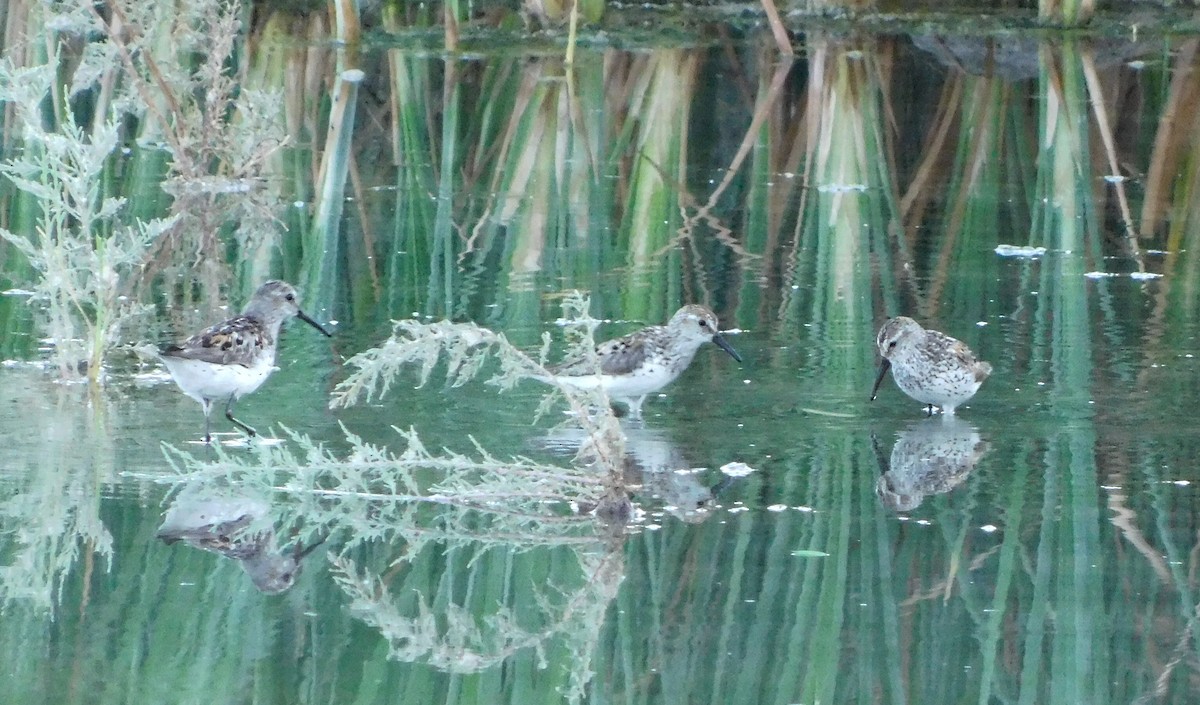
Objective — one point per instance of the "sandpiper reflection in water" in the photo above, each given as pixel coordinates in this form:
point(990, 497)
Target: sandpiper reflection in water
point(654, 467)
point(234, 527)
point(932, 456)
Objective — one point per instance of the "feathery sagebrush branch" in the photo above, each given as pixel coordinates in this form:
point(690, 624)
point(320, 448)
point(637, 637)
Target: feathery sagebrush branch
point(475, 504)
point(467, 347)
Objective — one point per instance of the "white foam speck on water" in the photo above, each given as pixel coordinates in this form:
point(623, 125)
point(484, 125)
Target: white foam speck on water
point(1101, 275)
point(841, 188)
point(1114, 178)
point(18, 292)
point(1019, 251)
point(1142, 276)
point(737, 469)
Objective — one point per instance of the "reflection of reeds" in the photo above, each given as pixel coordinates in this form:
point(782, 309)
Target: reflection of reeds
point(1066, 12)
point(1169, 193)
point(848, 210)
point(660, 95)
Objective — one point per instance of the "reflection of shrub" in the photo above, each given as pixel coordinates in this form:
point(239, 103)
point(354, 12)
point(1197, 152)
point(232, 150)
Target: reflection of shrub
point(83, 253)
point(501, 515)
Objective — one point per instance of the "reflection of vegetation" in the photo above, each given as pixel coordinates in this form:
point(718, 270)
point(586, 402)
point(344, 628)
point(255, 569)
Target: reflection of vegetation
point(50, 513)
point(497, 176)
point(453, 504)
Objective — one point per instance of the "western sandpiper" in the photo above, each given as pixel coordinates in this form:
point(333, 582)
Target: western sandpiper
point(231, 359)
point(641, 363)
point(929, 366)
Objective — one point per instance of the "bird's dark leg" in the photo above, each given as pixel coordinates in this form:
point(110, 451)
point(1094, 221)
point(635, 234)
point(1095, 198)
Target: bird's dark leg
point(207, 420)
point(929, 409)
point(239, 424)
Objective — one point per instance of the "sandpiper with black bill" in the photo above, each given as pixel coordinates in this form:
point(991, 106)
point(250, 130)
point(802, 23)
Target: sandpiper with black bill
point(632, 367)
point(928, 366)
point(231, 359)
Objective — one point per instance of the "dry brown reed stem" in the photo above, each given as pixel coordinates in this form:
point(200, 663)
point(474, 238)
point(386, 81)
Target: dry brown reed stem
point(984, 116)
point(1099, 109)
point(517, 178)
point(365, 222)
point(777, 29)
point(1123, 518)
point(117, 37)
point(1176, 128)
point(450, 26)
point(922, 188)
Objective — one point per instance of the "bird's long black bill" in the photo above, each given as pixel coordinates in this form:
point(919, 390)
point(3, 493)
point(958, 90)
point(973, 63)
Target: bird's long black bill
point(883, 370)
point(724, 345)
point(304, 317)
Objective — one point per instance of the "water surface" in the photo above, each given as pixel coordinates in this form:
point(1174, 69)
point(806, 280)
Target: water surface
point(1041, 547)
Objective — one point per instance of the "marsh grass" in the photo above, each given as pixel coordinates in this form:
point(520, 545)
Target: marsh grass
point(83, 249)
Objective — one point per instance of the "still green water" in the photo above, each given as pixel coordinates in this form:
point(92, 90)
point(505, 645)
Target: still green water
point(1040, 548)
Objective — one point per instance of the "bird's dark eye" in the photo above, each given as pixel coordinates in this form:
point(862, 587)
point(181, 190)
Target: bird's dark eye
point(703, 323)
point(291, 297)
point(891, 345)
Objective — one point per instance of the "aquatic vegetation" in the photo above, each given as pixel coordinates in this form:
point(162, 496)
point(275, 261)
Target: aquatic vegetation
point(83, 248)
point(50, 509)
point(93, 252)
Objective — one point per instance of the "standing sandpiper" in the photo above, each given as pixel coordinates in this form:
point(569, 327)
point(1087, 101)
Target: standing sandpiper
point(929, 366)
point(231, 359)
point(645, 361)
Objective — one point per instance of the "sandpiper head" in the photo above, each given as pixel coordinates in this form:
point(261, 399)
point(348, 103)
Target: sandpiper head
point(276, 301)
point(896, 331)
point(699, 324)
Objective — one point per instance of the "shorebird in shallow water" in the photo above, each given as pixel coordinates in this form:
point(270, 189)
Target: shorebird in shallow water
point(928, 366)
point(639, 364)
point(231, 359)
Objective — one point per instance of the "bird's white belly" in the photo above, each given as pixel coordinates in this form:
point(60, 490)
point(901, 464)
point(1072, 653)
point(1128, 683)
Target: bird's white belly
point(646, 379)
point(205, 380)
point(948, 388)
